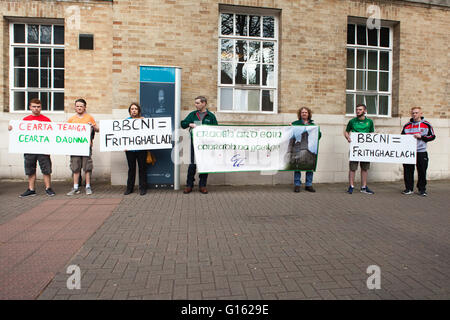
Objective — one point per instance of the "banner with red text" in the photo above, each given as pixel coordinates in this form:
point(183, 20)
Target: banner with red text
point(49, 138)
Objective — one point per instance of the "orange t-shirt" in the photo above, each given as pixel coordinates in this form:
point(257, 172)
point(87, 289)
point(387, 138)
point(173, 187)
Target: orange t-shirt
point(86, 118)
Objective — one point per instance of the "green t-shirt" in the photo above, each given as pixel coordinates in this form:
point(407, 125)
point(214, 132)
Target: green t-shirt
point(356, 125)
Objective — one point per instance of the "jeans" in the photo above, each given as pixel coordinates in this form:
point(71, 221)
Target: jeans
point(298, 175)
point(191, 172)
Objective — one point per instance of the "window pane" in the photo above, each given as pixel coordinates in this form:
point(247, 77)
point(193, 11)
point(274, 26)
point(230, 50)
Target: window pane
point(373, 60)
point(253, 100)
point(350, 79)
point(19, 77)
point(240, 75)
point(19, 101)
point(226, 99)
point(240, 100)
point(58, 101)
point(227, 23)
point(372, 80)
point(32, 95)
point(349, 107)
point(268, 27)
point(45, 79)
point(59, 35)
point(226, 74)
point(33, 33)
point(384, 60)
point(44, 100)
point(254, 51)
point(360, 80)
point(241, 50)
point(19, 33)
point(58, 76)
point(384, 105)
point(350, 58)
point(359, 99)
point(33, 57)
point(267, 100)
point(268, 75)
point(253, 73)
point(33, 78)
point(255, 26)
point(19, 57)
point(384, 37)
point(351, 34)
point(46, 34)
point(361, 59)
point(268, 52)
point(59, 58)
point(241, 25)
point(361, 35)
point(227, 50)
point(371, 103)
point(373, 37)
point(384, 81)
point(46, 58)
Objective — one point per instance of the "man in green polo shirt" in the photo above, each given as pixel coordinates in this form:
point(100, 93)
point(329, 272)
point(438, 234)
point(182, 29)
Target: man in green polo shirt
point(359, 124)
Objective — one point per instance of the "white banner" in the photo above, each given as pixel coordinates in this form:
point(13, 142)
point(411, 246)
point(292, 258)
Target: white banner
point(136, 134)
point(251, 148)
point(49, 138)
point(378, 147)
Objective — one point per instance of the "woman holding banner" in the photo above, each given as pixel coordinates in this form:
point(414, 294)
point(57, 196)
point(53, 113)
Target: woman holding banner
point(304, 115)
point(136, 155)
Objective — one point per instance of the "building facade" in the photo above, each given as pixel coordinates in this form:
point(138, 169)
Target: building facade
point(257, 62)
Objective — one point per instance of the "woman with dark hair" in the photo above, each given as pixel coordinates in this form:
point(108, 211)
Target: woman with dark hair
point(136, 155)
point(304, 115)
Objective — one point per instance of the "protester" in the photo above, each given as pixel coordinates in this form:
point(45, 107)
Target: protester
point(82, 162)
point(304, 115)
point(30, 160)
point(136, 155)
point(424, 133)
point(198, 117)
point(359, 124)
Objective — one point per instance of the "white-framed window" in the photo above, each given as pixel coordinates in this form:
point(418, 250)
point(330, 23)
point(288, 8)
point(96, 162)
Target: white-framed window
point(369, 69)
point(36, 65)
point(248, 62)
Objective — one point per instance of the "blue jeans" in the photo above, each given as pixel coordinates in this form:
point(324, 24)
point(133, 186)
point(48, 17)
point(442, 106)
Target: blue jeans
point(298, 175)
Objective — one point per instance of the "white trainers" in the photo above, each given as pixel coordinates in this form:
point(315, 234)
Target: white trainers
point(88, 190)
point(73, 191)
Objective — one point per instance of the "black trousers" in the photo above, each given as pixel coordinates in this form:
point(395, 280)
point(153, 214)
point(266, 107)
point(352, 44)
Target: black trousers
point(191, 172)
point(140, 157)
point(408, 172)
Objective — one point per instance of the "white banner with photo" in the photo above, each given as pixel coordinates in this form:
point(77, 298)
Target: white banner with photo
point(136, 134)
point(378, 147)
point(40, 137)
point(255, 148)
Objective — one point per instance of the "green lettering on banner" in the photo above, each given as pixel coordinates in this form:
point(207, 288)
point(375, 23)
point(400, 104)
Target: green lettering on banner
point(71, 139)
point(33, 138)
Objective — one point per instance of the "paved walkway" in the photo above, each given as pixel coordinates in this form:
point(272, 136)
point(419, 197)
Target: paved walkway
point(234, 243)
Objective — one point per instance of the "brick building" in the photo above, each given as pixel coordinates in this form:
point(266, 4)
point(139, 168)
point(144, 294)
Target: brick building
point(257, 62)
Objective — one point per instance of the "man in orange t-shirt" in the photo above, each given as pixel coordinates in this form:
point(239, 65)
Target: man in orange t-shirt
point(79, 162)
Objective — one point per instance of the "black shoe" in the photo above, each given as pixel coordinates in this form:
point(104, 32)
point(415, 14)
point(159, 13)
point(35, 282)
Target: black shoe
point(128, 191)
point(28, 193)
point(310, 189)
point(407, 191)
point(423, 193)
point(297, 189)
point(142, 192)
point(50, 192)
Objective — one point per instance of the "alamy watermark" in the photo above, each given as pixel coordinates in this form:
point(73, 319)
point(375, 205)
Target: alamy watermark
point(74, 281)
point(374, 281)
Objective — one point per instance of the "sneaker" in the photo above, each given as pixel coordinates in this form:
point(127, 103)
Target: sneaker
point(350, 190)
point(28, 193)
point(406, 191)
point(423, 193)
point(73, 191)
point(88, 190)
point(50, 192)
point(367, 190)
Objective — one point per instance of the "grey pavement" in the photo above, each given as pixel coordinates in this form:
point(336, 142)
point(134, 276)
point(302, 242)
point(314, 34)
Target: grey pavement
point(256, 242)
